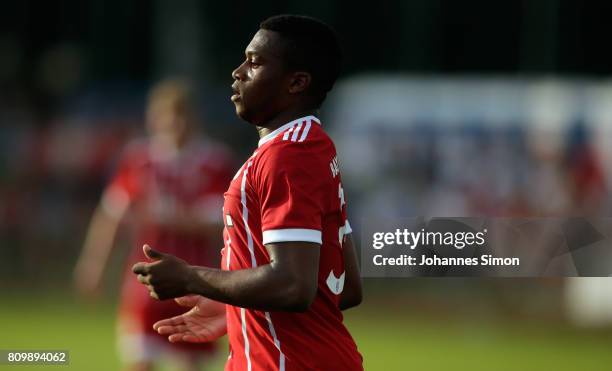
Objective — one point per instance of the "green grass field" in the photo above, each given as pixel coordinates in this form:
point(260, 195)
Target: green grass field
point(388, 339)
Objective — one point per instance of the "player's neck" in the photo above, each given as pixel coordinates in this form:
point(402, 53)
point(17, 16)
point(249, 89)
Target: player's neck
point(283, 118)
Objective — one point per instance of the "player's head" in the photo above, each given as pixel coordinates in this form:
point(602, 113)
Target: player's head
point(169, 110)
point(292, 61)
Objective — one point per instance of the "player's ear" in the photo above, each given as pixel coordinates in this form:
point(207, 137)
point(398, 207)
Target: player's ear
point(300, 81)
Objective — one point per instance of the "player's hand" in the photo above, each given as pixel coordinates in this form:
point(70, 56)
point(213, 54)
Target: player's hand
point(166, 277)
point(205, 321)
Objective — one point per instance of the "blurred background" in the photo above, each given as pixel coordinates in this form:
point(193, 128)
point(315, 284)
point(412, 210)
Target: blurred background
point(444, 108)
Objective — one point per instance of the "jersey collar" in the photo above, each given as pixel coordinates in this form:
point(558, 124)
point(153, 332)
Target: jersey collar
point(273, 134)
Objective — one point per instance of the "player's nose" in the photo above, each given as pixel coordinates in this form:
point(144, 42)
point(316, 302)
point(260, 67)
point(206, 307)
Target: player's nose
point(238, 73)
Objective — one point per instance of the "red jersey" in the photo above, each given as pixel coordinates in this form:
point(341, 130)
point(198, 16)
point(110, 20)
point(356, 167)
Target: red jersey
point(161, 187)
point(289, 190)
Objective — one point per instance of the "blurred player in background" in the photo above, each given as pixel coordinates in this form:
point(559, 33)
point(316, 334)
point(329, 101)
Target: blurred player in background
point(169, 187)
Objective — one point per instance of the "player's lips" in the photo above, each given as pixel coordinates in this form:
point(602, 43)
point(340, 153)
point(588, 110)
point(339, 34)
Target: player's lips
point(236, 96)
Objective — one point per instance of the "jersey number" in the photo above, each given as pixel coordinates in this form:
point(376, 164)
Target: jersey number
point(336, 284)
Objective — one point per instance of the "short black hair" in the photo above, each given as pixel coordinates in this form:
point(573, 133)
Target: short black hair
point(311, 46)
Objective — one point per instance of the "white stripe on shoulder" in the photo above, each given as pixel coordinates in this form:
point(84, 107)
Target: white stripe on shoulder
point(287, 133)
point(288, 125)
point(296, 132)
point(305, 131)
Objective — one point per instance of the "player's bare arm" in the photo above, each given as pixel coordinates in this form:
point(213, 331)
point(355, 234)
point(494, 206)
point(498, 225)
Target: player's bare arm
point(97, 248)
point(288, 283)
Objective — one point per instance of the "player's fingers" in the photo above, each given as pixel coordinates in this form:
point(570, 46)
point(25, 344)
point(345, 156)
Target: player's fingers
point(169, 330)
point(166, 330)
point(188, 301)
point(143, 279)
point(175, 338)
point(141, 268)
point(154, 295)
point(163, 322)
point(174, 321)
point(152, 254)
point(189, 338)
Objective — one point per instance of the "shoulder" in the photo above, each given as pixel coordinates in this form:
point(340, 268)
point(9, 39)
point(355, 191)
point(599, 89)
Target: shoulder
point(303, 141)
point(304, 161)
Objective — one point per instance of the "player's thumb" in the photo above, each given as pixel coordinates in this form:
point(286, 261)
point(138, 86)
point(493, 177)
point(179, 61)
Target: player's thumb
point(152, 254)
point(188, 301)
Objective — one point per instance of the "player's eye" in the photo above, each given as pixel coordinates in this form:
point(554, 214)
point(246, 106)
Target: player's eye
point(252, 63)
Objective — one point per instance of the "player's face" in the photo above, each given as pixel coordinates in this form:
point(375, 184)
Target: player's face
point(164, 120)
point(260, 82)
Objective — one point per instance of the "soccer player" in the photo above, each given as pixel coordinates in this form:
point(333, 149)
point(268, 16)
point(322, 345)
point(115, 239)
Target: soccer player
point(288, 262)
point(169, 188)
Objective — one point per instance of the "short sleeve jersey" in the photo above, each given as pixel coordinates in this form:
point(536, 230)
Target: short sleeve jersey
point(159, 188)
point(289, 190)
